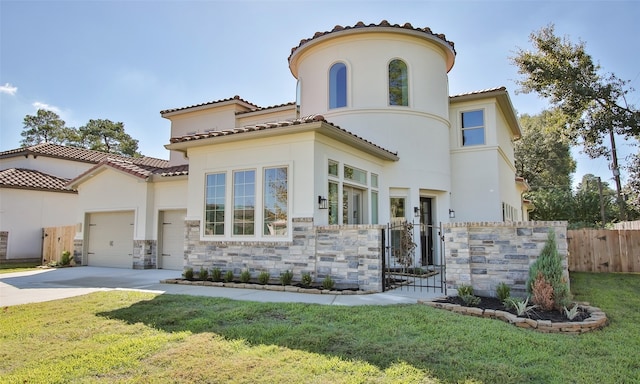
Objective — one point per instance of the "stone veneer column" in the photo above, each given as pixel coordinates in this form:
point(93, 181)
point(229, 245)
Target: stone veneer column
point(4, 242)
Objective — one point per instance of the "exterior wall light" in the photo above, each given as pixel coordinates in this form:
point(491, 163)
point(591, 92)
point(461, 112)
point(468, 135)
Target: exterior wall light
point(322, 202)
point(452, 214)
point(416, 211)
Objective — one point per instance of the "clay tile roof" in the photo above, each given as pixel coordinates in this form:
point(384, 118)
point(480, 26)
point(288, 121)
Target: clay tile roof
point(383, 24)
point(268, 126)
point(20, 178)
point(79, 154)
point(177, 170)
point(236, 97)
point(292, 103)
point(480, 92)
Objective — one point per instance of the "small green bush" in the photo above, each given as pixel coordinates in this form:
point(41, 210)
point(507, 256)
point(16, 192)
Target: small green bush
point(470, 300)
point(245, 276)
point(328, 283)
point(66, 258)
point(549, 264)
point(204, 273)
point(503, 292)
point(228, 276)
point(216, 274)
point(286, 278)
point(306, 280)
point(465, 290)
point(188, 273)
point(521, 307)
point(263, 277)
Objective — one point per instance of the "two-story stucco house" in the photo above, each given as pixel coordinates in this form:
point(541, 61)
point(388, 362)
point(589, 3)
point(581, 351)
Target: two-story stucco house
point(373, 138)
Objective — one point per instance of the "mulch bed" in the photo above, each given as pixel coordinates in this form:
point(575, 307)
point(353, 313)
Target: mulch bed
point(535, 314)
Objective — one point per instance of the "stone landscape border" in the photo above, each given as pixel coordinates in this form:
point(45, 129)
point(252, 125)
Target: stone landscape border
point(266, 287)
point(597, 318)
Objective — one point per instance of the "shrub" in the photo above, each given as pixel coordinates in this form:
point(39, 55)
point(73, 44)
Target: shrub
point(470, 300)
point(204, 273)
point(286, 278)
point(216, 274)
point(245, 276)
point(542, 293)
point(306, 279)
point(465, 290)
point(521, 307)
point(549, 265)
point(65, 259)
point(328, 283)
point(572, 313)
point(503, 292)
point(228, 276)
point(188, 273)
point(263, 277)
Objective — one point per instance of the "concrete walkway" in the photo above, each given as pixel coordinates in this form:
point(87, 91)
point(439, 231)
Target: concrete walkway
point(53, 284)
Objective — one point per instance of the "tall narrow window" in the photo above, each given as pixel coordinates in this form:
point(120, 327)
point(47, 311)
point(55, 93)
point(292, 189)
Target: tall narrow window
point(473, 128)
point(275, 202)
point(244, 202)
point(398, 83)
point(214, 204)
point(338, 86)
point(333, 203)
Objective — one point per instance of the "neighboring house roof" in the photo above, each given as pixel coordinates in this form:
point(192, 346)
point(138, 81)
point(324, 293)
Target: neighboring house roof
point(262, 109)
point(78, 154)
point(235, 99)
point(504, 101)
point(140, 171)
point(20, 178)
point(384, 26)
point(313, 122)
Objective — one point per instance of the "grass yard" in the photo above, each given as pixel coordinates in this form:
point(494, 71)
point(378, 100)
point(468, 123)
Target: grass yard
point(17, 267)
point(124, 337)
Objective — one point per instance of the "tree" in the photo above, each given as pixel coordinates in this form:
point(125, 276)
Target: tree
point(543, 158)
point(107, 136)
point(595, 105)
point(44, 126)
point(594, 199)
point(632, 189)
point(543, 153)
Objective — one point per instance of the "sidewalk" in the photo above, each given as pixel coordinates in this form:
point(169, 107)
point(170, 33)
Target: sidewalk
point(53, 284)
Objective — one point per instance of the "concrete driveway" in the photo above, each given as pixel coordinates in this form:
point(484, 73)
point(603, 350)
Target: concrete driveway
point(53, 284)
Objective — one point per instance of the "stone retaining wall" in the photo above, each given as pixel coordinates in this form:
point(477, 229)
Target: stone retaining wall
point(350, 255)
point(485, 254)
point(4, 242)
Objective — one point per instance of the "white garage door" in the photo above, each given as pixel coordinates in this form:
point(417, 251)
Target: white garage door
point(111, 239)
point(172, 245)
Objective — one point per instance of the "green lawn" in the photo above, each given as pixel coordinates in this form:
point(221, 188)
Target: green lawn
point(122, 336)
point(17, 267)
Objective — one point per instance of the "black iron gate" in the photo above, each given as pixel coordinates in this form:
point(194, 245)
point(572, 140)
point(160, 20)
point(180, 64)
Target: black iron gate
point(402, 269)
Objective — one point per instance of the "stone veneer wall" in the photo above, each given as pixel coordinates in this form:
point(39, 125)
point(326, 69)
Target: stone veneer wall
point(4, 241)
point(144, 254)
point(485, 254)
point(349, 254)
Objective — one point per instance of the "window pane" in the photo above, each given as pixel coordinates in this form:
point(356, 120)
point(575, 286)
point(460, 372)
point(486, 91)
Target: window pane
point(355, 174)
point(276, 203)
point(374, 207)
point(333, 168)
point(244, 202)
point(214, 204)
point(473, 136)
point(473, 128)
point(338, 86)
point(333, 203)
point(472, 119)
point(374, 180)
point(398, 83)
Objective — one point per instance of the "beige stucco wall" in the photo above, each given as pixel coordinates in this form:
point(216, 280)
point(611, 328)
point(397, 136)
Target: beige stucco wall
point(23, 213)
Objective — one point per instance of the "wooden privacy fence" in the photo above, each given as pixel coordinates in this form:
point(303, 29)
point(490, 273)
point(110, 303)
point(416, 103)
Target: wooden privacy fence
point(604, 250)
point(56, 240)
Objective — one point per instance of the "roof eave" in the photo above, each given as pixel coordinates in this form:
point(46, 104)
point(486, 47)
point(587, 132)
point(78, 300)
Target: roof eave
point(504, 102)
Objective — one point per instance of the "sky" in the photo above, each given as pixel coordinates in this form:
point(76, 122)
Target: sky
point(127, 60)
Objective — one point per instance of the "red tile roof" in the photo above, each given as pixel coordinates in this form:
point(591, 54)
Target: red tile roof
point(383, 24)
point(480, 92)
point(20, 178)
point(79, 154)
point(208, 103)
point(289, 104)
point(269, 126)
point(137, 170)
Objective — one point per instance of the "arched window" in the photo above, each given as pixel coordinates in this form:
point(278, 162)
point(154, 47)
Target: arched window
point(338, 86)
point(398, 83)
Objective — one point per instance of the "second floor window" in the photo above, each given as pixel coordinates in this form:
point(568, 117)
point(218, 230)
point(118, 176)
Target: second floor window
point(473, 128)
point(398, 83)
point(338, 86)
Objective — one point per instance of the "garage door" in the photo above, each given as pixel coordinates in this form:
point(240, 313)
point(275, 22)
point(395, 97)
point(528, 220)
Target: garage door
point(111, 239)
point(172, 240)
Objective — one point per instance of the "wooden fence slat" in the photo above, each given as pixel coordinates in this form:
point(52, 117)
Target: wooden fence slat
point(599, 250)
